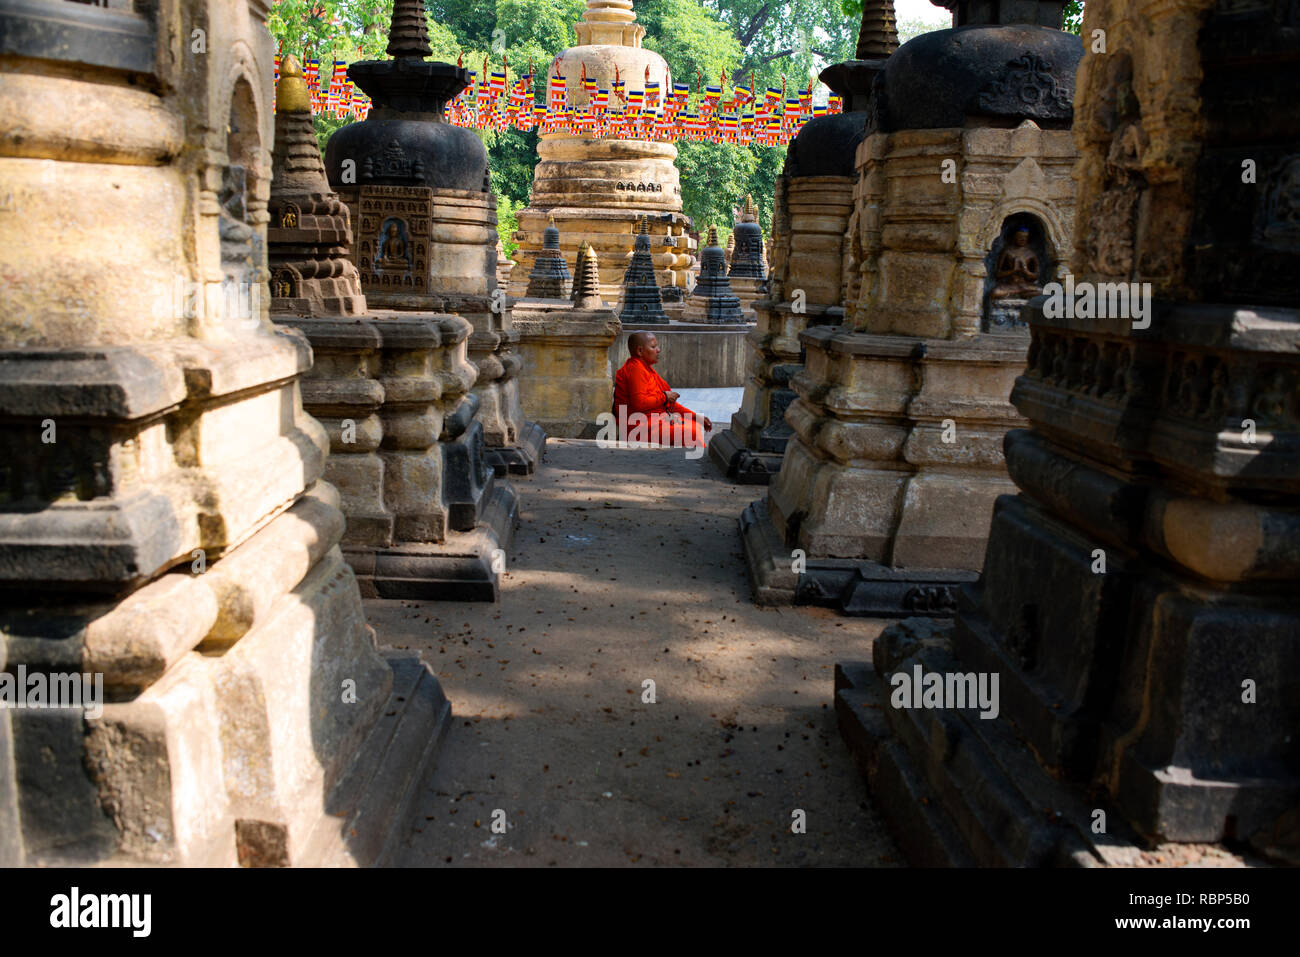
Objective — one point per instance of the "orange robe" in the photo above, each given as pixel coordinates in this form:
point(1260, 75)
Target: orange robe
point(643, 412)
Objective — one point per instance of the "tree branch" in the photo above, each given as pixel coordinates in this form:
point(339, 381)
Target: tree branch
point(756, 23)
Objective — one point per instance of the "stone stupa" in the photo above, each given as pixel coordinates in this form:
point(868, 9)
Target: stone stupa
point(309, 233)
point(586, 280)
point(549, 278)
point(425, 221)
point(747, 268)
point(641, 300)
point(712, 300)
point(815, 226)
point(599, 188)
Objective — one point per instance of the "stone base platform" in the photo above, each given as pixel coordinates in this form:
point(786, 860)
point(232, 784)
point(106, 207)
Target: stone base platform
point(372, 808)
point(960, 790)
point(521, 459)
point(566, 381)
point(368, 813)
point(695, 355)
point(467, 567)
point(741, 464)
point(854, 587)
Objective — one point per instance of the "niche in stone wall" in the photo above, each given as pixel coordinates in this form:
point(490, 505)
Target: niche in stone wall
point(394, 253)
point(1017, 268)
point(241, 253)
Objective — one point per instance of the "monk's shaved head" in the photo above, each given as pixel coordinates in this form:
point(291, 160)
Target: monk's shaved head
point(639, 340)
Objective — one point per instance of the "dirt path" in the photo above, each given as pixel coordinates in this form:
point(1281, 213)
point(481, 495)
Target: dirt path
point(626, 567)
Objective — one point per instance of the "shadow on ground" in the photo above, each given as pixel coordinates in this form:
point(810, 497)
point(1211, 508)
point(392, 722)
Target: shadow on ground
point(627, 568)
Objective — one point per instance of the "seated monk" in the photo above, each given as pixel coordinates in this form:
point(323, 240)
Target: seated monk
point(645, 408)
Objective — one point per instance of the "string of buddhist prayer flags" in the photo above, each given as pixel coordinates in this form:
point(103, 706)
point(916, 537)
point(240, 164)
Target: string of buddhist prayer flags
point(492, 102)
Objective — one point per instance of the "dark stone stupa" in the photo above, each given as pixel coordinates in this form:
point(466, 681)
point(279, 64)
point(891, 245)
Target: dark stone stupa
point(641, 300)
point(713, 294)
point(405, 141)
point(550, 276)
point(747, 260)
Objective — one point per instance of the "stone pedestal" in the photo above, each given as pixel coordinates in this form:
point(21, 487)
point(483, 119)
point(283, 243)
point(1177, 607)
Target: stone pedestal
point(809, 222)
point(748, 291)
point(568, 380)
point(163, 518)
point(896, 453)
point(750, 451)
point(1138, 595)
point(427, 519)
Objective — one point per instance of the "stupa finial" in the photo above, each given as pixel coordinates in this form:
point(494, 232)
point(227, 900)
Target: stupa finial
point(609, 11)
point(609, 22)
point(408, 36)
point(713, 235)
point(291, 89)
point(878, 33)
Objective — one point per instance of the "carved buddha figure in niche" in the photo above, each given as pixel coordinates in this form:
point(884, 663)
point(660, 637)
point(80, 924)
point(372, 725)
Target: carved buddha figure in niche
point(392, 249)
point(1018, 270)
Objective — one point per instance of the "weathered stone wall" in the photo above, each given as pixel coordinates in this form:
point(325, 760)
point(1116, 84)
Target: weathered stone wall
point(925, 235)
point(1137, 594)
point(162, 516)
point(694, 356)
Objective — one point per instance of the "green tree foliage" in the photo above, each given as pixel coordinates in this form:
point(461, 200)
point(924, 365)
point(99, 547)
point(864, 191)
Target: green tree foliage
point(689, 38)
point(507, 223)
point(797, 38)
point(1074, 16)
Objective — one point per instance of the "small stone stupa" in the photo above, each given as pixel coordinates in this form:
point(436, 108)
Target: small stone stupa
point(747, 261)
point(641, 300)
point(309, 231)
point(712, 300)
point(747, 266)
point(549, 278)
point(586, 280)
